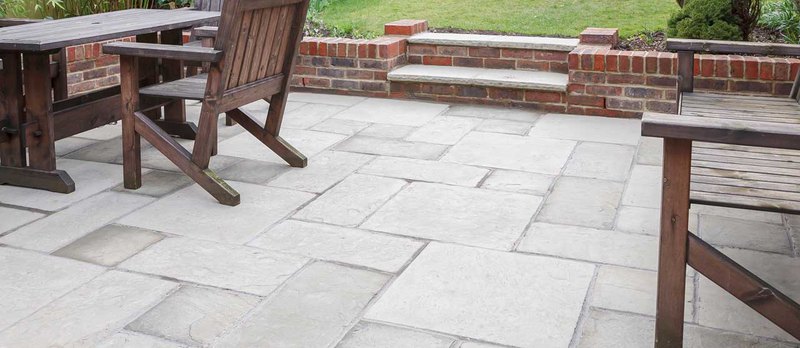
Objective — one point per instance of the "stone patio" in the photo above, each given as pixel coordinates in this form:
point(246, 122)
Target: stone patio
point(415, 225)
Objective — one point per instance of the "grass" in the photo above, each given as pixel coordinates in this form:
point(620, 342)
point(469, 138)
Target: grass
point(532, 17)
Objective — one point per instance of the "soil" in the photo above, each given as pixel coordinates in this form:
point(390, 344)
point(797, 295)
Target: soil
point(657, 40)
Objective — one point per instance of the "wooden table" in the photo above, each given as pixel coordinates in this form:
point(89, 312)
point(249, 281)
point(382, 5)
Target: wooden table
point(33, 121)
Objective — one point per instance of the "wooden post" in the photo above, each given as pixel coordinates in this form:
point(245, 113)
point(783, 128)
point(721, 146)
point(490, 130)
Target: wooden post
point(12, 148)
point(131, 142)
point(686, 71)
point(673, 245)
point(39, 108)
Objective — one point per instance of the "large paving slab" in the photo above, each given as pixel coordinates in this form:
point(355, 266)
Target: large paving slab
point(634, 291)
point(601, 161)
point(373, 335)
point(606, 329)
point(341, 244)
point(392, 147)
point(85, 316)
point(545, 156)
point(225, 266)
point(194, 213)
point(521, 182)
point(446, 130)
point(583, 202)
point(324, 171)
point(482, 77)
point(159, 183)
point(351, 201)
point(504, 126)
point(745, 234)
point(31, 280)
point(64, 227)
point(194, 315)
point(582, 243)
point(13, 218)
point(645, 220)
point(399, 112)
point(470, 216)
point(330, 99)
point(650, 151)
point(495, 41)
point(309, 143)
point(390, 131)
point(488, 295)
point(127, 339)
point(90, 178)
point(308, 115)
point(109, 245)
point(588, 128)
point(498, 113)
point(252, 171)
point(344, 127)
point(644, 187)
point(314, 309)
point(421, 170)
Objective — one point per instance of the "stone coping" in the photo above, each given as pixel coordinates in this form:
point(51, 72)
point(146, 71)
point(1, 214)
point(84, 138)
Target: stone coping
point(495, 41)
point(522, 79)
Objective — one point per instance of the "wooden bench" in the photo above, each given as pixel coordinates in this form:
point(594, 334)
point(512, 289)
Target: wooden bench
point(725, 150)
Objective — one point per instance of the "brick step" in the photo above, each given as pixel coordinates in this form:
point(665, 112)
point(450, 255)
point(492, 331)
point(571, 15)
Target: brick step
point(481, 77)
point(495, 41)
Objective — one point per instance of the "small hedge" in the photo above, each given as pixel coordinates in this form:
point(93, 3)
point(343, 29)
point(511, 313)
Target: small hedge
point(705, 19)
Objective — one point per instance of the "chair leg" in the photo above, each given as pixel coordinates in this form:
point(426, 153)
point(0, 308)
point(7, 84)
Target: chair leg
point(176, 153)
point(275, 143)
point(206, 136)
point(131, 143)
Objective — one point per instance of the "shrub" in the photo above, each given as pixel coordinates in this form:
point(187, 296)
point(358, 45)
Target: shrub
point(747, 13)
point(783, 16)
point(705, 19)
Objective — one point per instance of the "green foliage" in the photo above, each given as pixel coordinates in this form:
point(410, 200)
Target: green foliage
point(55, 9)
point(705, 19)
point(784, 16)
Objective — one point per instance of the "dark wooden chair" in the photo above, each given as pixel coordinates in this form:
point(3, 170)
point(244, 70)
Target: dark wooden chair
point(727, 150)
point(58, 65)
point(252, 59)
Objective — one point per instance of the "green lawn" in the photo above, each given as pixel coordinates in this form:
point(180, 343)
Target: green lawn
point(533, 17)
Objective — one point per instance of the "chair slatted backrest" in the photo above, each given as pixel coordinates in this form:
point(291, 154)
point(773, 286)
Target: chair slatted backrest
point(208, 5)
point(260, 39)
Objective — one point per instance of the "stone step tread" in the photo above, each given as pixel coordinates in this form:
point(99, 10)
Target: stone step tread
point(495, 41)
point(503, 78)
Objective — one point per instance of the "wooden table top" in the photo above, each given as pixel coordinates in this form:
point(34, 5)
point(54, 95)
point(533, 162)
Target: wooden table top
point(56, 34)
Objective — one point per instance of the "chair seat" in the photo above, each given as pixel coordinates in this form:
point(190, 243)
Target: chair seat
point(193, 88)
point(744, 176)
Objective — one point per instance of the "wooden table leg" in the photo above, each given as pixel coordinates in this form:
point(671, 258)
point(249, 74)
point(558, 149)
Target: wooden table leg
point(40, 136)
point(12, 116)
point(174, 122)
point(673, 245)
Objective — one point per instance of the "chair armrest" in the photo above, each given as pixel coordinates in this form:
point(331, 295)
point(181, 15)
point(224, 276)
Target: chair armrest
point(179, 52)
point(733, 47)
point(204, 32)
point(719, 130)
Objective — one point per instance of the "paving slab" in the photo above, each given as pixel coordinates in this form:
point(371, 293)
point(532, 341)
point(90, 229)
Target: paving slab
point(90, 178)
point(340, 244)
point(194, 315)
point(254, 172)
point(330, 99)
point(13, 218)
point(521, 182)
point(391, 131)
point(745, 234)
point(421, 170)
point(504, 126)
point(392, 147)
point(324, 171)
point(491, 112)
point(314, 309)
point(488, 295)
point(634, 291)
point(127, 339)
point(351, 201)
point(192, 212)
point(309, 115)
point(106, 132)
point(645, 220)
point(600, 161)
point(109, 245)
point(456, 214)
point(446, 130)
point(582, 202)
point(483, 77)
point(644, 187)
point(478, 345)
point(59, 229)
point(374, 335)
point(345, 127)
point(90, 313)
point(606, 329)
point(389, 111)
point(31, 280)
point(67, 145)
point(600, 246)
point(588, 128)
point(159, 183)
point(545, 156)
point(743, 214)
point(239, 268)
point(651, 151)
point(309, 143)
point(495, 41)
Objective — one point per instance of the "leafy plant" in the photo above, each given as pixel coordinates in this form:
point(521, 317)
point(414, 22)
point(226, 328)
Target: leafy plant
point(747, 13)
point(783, 16)
point(705, 19)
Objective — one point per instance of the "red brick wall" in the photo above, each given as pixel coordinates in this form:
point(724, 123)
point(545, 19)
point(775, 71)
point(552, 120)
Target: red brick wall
point(487, 57)
point(89, 69)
